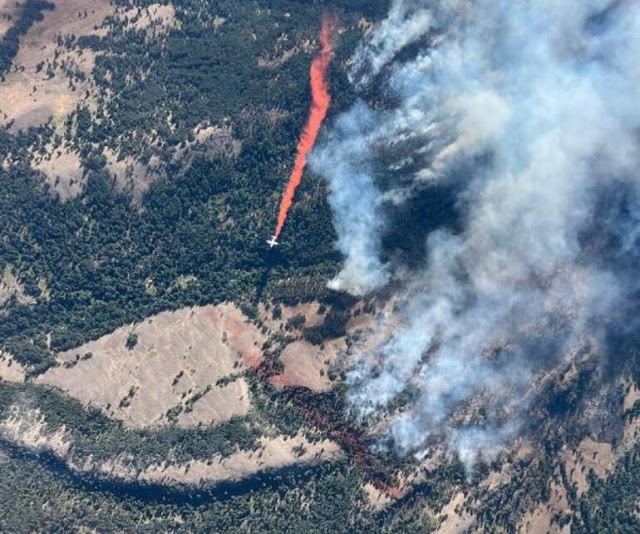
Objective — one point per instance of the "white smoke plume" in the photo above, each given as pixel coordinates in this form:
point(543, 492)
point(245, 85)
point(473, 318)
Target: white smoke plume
point(406, 23)
point(528, 110)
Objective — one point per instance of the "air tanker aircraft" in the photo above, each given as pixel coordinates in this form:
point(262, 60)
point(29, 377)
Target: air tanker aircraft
point(272, 242)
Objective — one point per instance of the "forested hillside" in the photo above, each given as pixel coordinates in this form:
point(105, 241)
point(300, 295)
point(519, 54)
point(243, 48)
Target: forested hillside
point(209, 206)
point(161, 369)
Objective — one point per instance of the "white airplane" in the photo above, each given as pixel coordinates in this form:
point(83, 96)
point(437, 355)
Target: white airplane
point(272, 242)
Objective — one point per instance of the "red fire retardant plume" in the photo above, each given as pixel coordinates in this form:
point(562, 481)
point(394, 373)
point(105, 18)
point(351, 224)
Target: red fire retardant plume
point(321, 99)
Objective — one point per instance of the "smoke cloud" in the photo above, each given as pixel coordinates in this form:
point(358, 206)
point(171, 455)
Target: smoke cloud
point(527, 111)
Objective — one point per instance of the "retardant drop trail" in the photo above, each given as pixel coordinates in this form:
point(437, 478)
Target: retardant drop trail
point(320, 100)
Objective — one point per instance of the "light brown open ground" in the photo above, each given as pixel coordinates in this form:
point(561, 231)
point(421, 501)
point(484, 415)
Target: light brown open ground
point(156, 18)
point(452, 519)
point(589, 456)
point(273, 453)
point(27, 427)
point(540, 519)
point(29, 98)
point(9, 10)
point(63, 170)
point(305, 365)
point(37, 89)
point(631, 397)
point(496, 479)
point(308, 366)
point(131, 175)
point(178, 360)
point(209, 140)
point(631, 433)
point(11, 370)
point(378, 500)
point(176, 365)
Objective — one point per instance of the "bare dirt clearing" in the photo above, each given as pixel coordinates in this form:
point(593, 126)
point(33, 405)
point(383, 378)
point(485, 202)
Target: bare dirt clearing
point(185, 366)
point(377, 498)
point(273, 453)
point(130, 175)
point(590, 456)
point(453, 519)
point(305, 364)
point(155, 18)
point(28, 428)
point(51, 77)
point(308, 366)
point(63, 171)
point(210, 141)
point(42, 84)
point(541, 519)
point(631, 397)
point(9, 11)
point(10, 370)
